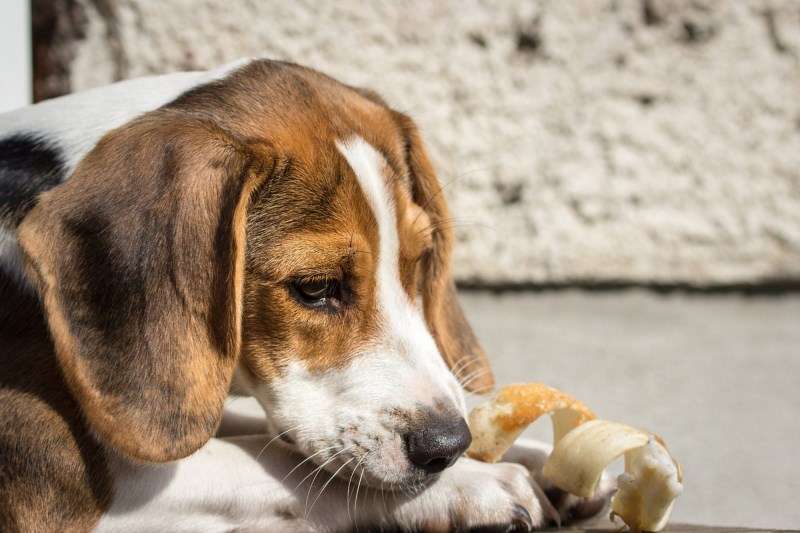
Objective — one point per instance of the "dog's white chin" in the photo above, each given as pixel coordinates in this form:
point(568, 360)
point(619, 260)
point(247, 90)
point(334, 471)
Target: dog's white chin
point(385, 466)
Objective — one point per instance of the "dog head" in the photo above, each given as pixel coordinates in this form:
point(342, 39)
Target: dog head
point(278, 225)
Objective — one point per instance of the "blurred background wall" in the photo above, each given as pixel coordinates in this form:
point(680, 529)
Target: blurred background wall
point(15, 46)
point(651, 142)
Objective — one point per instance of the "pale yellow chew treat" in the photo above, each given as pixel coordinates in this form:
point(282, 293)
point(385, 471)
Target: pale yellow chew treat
point(583, 448)
point(495, 425)
point(588, 450)
point(646, 490)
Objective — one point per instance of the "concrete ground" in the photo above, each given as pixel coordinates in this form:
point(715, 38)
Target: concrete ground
point(714, 375)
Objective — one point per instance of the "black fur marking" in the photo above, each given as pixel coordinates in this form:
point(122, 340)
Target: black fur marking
point(29, 165)
point(100, 310)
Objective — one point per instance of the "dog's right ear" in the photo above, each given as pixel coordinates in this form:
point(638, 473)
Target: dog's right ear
point(139, 262)
point(457, 342)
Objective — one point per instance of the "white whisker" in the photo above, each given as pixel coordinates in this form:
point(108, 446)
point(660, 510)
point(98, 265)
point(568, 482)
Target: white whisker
point(472, 376)
point(355, 468)
point(308, 512)
point(318, 470)
point(304, 461)
point(462, 365)
point(355, 502)
point(483, 390)
point(468, 375)
point(276, 437)
point(383, 498)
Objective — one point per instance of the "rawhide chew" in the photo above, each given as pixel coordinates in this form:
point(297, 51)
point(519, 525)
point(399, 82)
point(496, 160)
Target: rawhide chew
point(496, 424)
point(583, 448)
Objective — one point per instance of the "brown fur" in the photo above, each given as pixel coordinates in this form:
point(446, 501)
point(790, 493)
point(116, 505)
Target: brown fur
point(52, 472)
point(455, 338)
point(167, 255)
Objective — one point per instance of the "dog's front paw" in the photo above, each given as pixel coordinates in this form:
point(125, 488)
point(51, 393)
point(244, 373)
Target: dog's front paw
point(474, 496)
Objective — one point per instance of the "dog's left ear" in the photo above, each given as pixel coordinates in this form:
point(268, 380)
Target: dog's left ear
point(138, 259)
point(456, 341)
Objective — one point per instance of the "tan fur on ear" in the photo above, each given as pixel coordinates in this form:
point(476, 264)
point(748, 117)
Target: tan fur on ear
point(454, 336)
point(138, 258)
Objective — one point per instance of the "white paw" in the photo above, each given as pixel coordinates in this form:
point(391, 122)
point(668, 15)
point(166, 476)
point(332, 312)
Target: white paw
point(471, 495)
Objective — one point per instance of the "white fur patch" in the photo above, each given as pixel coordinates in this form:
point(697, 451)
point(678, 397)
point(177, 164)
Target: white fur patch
point(75, 122)
point(11, 257)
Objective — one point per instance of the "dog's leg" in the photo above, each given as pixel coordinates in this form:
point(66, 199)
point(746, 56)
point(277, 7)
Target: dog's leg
point(253, 483)
point(532, 454)
point(229, 484)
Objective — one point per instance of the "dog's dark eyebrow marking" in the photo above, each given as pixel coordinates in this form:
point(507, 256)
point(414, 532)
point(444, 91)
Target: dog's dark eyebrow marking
point(29, 165)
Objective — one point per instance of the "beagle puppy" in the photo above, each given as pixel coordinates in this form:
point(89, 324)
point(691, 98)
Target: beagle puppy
point(260, 229)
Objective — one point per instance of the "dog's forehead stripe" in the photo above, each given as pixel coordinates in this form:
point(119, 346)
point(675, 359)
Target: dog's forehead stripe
point(368, 165)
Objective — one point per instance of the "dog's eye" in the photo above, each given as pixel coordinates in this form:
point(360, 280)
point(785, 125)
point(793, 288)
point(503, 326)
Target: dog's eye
point(315, 288)
point(317, 292)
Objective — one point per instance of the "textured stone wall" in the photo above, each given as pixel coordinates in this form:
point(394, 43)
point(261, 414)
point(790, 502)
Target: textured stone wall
point(633, 141)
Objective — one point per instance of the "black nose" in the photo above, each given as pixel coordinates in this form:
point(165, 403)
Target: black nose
point(438, 443)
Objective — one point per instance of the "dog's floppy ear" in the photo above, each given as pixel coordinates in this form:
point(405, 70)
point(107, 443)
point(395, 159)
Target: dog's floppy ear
point(454, 336)
point(138, 259)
